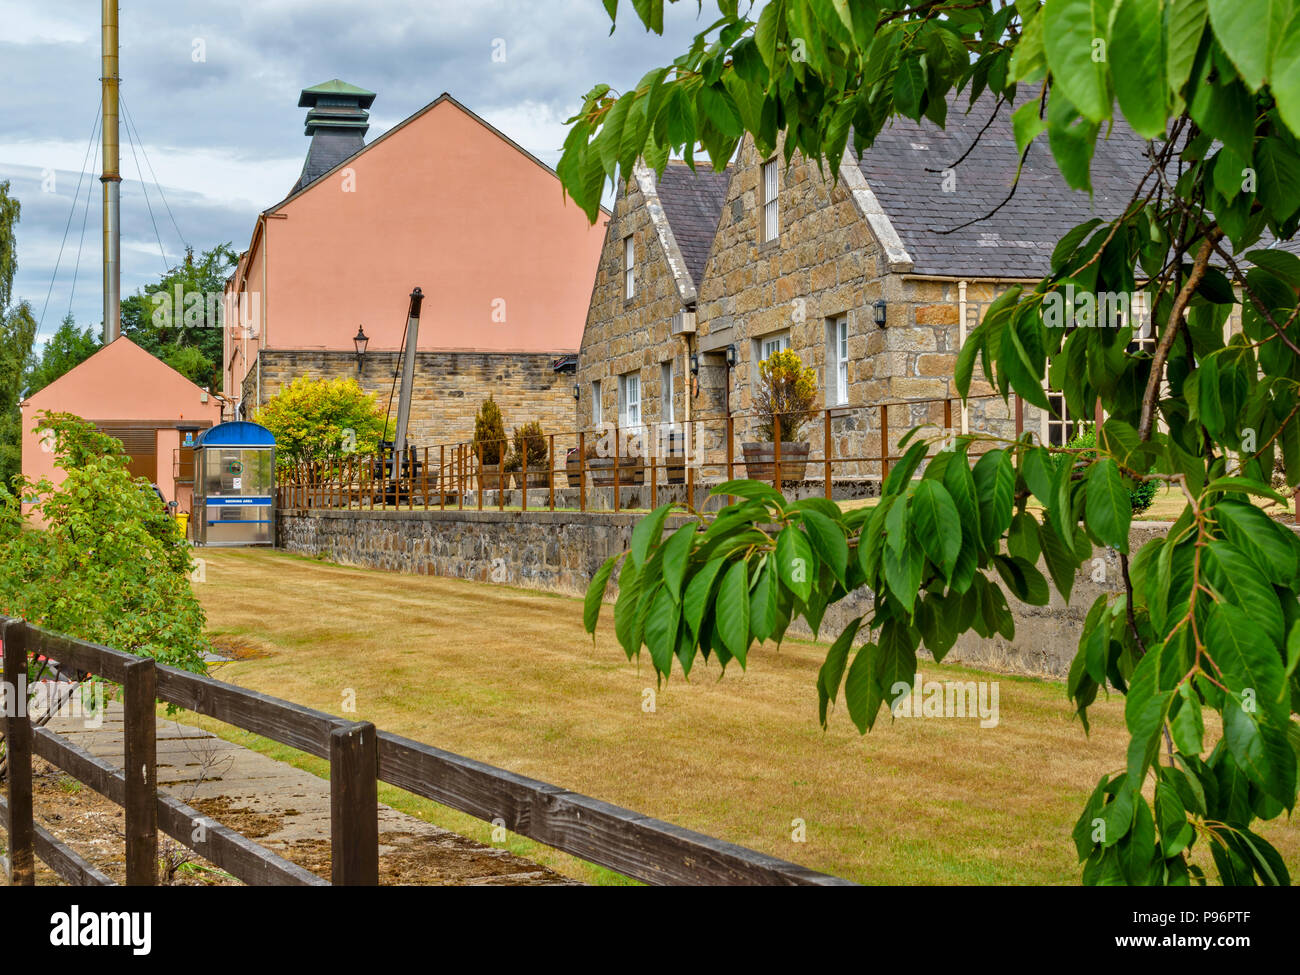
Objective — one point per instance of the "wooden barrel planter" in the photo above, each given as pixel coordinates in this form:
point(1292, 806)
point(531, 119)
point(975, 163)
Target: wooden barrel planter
point(538, 477)
point(573, 467)
point(630, 471)
point(760, 461)
point(492, 478)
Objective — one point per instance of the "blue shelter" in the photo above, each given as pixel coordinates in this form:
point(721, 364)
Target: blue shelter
point(234, 485)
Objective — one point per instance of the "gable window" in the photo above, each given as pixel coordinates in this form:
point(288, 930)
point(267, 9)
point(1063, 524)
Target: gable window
point(771, 191)
point(666, 392)
point(837, 361)
point(629, 267)
point(595, 402)
point(765, 345)
point(629, 400)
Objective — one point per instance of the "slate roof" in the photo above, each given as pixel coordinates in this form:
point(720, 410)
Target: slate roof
point(1017, 240)
point(692, 202)
point(328, 148)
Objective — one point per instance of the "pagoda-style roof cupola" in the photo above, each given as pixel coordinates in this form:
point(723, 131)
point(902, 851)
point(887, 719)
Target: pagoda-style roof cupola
point(337, 121)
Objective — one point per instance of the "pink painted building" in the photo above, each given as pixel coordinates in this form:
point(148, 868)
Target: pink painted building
point(154, 410)
point(442, 201)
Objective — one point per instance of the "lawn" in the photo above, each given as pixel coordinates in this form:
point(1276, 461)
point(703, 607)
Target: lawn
point(507, 676)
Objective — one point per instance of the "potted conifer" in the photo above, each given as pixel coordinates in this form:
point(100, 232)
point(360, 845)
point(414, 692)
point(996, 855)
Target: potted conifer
point(786, 391)
point(490, 445)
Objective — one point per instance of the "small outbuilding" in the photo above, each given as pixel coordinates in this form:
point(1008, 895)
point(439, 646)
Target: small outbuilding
point(234, 487)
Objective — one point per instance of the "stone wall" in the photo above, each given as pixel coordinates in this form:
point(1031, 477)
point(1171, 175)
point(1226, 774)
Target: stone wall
point(448, 387)
point(625, 335)
point(560, 551)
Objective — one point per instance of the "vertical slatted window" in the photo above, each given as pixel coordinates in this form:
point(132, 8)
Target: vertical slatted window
point(629, 268)
point(595, 403)
point(666, 392)
point(771, 192)
point(837, 361)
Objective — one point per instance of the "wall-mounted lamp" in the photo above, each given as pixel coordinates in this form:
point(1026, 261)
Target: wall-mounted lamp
point(731, 357)
point(695, 363)
point(577, 391)
point(880, 306)
point(360, 340)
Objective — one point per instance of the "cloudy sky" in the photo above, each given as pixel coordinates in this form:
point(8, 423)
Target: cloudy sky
point(212, 89)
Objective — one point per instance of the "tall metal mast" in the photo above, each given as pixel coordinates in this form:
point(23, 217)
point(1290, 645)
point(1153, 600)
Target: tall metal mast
point(111, 179)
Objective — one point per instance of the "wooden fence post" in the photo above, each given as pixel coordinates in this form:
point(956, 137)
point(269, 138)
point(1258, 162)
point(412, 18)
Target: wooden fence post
point(19, 825)
point(354, 804)
point(139, 728)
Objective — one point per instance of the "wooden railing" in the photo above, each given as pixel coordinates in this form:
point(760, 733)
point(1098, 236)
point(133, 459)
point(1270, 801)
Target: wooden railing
point(360, 756)
point(651, 457)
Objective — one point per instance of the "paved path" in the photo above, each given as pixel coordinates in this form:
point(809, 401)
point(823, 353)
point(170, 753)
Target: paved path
point(288, 810)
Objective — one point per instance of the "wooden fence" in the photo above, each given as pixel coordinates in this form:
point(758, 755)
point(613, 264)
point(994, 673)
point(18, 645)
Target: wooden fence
point(650, 456)
point(360, 756)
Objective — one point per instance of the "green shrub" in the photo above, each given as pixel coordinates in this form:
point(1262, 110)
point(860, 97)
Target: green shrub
point(530, 435)
point(108, 563)
point(786, 389)
point(1140, 495)
point(489, 432)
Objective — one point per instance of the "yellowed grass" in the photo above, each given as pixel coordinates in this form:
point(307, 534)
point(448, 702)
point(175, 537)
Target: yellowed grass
point(508, 677)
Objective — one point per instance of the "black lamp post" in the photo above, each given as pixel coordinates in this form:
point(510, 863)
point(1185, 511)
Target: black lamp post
point(695, 364)
point(360, 340)
point(880, 307)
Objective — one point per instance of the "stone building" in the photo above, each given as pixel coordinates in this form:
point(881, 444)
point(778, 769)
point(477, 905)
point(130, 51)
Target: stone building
point(442, 201)
point(873, 274)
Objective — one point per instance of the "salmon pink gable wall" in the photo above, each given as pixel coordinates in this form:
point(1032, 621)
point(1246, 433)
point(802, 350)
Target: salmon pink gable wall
point(445, 203)
point(119, 382)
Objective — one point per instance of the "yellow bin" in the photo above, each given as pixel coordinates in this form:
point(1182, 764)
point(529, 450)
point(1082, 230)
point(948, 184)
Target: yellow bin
point(183, 520)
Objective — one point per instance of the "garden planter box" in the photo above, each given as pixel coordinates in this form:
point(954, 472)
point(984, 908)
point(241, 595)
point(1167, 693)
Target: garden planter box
point(630, 471)
point(760, 461)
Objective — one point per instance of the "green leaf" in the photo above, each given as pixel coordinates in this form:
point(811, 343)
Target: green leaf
point(1137, 61)
point(1070, 32)
point(995, 486)
point(1187, 727)
point(762, 603)
point(1109, 510)
point(1027, 125)
point(1249, 32)
point(861, 690)
point(596, 596)
point(696, 600)
point(677, 551)
point(828, 542)
point(750, 490)
point(937, 525)
point(1185, 23)
point(1245, 485)
point(732, 611)
point(661, 631)
point(1234, 577)
point(647, 533)
point(1145, 706)
point(794, 562)
point(832, 669)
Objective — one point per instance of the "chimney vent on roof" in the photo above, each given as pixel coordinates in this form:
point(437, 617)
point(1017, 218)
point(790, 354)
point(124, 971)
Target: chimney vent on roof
point(337, 121)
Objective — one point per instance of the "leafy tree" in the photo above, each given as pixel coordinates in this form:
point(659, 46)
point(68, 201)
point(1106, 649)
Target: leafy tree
point(66, 349)
point(1208, 619)
point(17, 333)
point(322, 420)
point(154, 320)
point(109, 564)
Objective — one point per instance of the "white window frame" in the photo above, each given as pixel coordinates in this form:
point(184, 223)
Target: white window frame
point(765, 345)
point(629, 400)
point(837, 361)
point(629, 267)
point(771, 187)
point(1057, 433)
point(595, 403)
point(667, 377)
